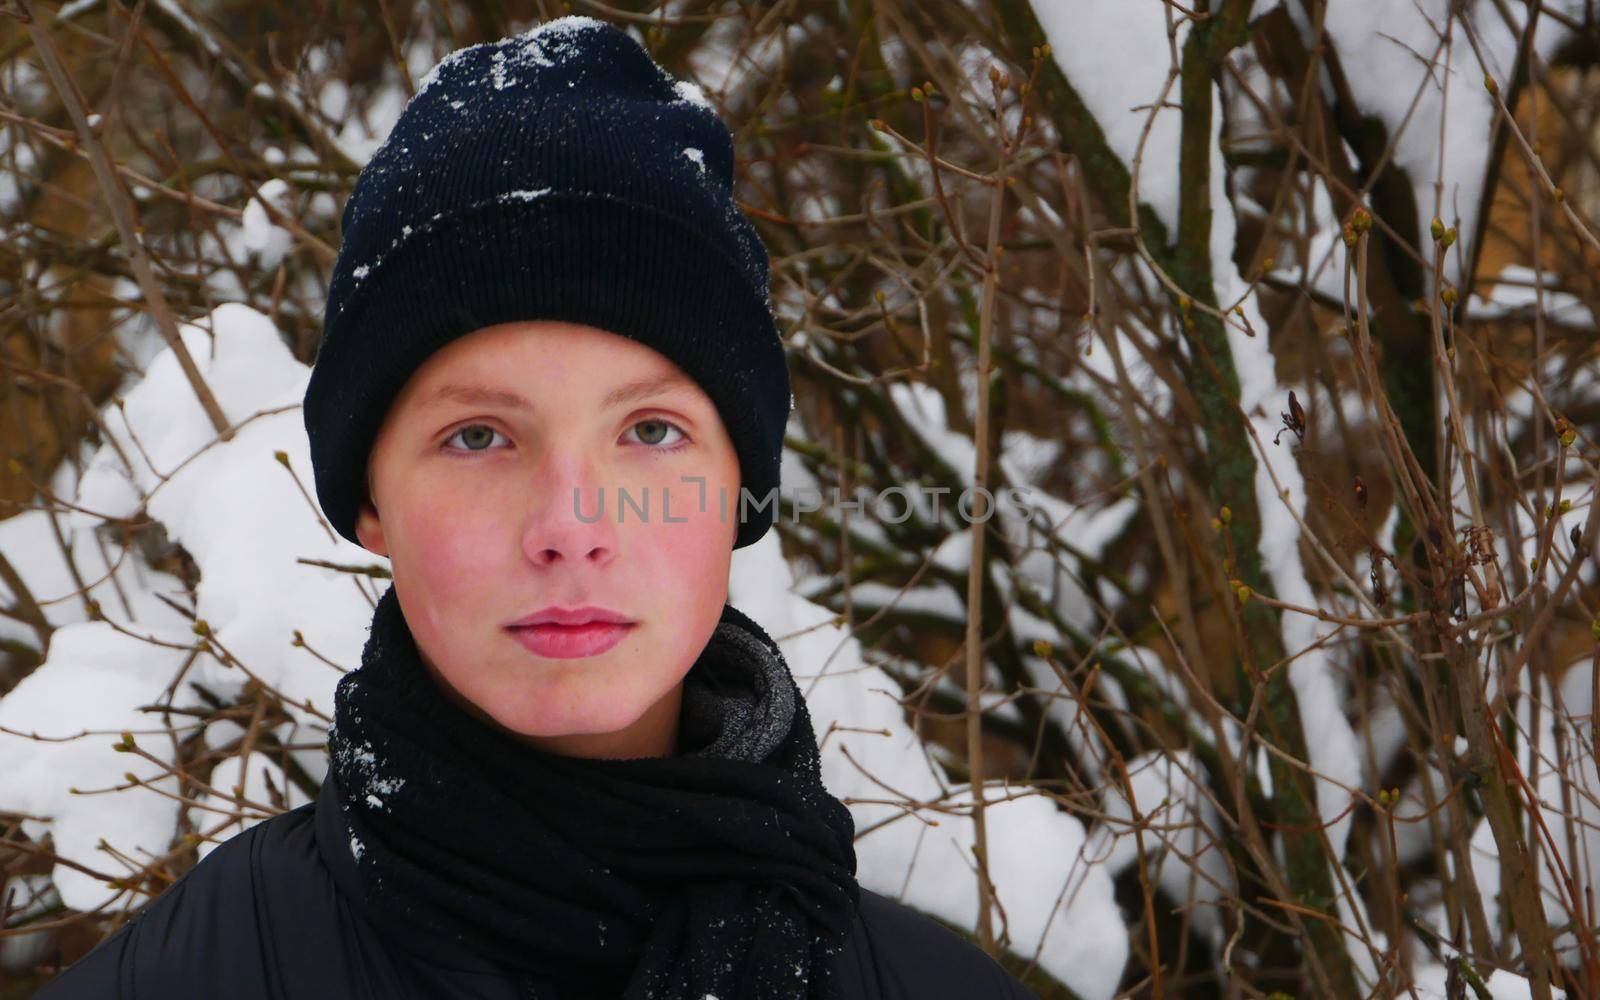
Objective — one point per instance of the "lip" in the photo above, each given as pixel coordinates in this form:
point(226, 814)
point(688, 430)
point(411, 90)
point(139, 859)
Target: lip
point(572, 616)
point(569, 633)
point(566, 642)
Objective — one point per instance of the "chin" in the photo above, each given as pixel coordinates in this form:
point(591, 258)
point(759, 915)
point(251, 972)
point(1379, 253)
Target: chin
point(576, 720)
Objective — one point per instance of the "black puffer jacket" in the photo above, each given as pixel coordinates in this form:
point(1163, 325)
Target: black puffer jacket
point(276, 913)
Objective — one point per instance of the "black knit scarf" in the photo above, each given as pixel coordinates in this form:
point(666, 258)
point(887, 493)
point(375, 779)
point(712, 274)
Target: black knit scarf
point(726, 870)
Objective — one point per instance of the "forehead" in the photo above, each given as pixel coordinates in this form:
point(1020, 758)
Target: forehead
point(514, 365)
point(618, 394)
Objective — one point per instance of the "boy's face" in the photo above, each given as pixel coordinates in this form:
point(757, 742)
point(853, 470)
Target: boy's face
point(472, 500)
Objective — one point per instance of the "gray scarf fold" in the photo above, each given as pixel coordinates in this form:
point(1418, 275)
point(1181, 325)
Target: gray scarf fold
point(738, 700)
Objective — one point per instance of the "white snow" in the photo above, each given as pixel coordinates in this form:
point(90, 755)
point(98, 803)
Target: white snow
point(1574, 829)
point(540, 46)
point(95, 679)
point(26, 898)
point(1116, 54)
point(1410, 66)
point(1431, 979)
point(260, 235)
point(240, 515)
point(1058, 901)
point(73, 9)
point(690, 92)
point(225, 777)
point(527, 194)
point(1514, 293)
point(1182, 834)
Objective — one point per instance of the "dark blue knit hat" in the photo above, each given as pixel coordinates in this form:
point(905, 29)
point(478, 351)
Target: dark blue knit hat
point(559, 174)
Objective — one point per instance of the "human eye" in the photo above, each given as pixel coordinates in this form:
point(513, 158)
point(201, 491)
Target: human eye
point(658, 429)
point(476, 431)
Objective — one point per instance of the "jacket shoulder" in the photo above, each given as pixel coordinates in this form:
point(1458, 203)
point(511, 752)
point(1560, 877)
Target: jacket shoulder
point(916, 956)
point(204, 932)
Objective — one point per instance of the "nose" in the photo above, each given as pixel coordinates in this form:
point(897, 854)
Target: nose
point(570, 519)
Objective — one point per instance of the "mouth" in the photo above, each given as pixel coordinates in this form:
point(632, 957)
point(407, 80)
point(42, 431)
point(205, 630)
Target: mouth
point(585, 615)
point(564, 642)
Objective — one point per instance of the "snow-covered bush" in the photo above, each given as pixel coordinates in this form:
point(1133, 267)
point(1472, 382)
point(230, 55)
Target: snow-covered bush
point(1273, 656)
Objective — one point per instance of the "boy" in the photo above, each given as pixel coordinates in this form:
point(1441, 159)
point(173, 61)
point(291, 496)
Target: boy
point(548, 382)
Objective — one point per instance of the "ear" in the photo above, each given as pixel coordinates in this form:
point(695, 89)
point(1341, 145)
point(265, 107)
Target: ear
point(369, 529)
point(737, 526)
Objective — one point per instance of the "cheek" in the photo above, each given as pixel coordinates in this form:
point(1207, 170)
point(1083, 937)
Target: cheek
point(449, 538)
point(453, 553)
point(690, 553)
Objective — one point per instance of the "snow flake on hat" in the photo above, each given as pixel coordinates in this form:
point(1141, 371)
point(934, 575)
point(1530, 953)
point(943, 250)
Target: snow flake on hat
point(443, 64)
point(691, 93)
point(698, 156)
point(543, 45)
point(526, 194)
point(497, 71)
point(360, 271)
point(563, 29)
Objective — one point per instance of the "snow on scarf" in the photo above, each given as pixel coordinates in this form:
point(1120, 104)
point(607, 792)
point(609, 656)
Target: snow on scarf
point(726, 870)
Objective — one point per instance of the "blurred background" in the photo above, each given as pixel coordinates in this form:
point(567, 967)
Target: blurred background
point(1276, 670)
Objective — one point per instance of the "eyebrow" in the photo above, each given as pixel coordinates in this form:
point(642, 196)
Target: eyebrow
point(644, 388)
point(478, 395)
